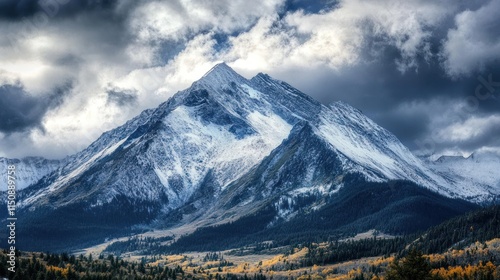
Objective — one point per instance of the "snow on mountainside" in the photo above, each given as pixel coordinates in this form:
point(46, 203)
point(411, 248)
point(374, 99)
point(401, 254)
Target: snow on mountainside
point(217, 130)
point(28, 170)
point(216, 152)
point(476, 176)
point(217, 126)
point(372, 150)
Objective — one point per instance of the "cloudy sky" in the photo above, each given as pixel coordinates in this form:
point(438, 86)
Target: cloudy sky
point(429, 71)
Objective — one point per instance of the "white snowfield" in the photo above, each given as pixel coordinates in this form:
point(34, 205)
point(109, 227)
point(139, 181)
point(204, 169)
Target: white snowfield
point(224, 125)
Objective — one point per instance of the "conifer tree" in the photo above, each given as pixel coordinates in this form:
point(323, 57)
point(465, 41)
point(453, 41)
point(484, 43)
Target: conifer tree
point(413, 267)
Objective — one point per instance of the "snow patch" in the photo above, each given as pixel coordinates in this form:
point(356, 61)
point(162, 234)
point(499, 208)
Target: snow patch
point(255, 94)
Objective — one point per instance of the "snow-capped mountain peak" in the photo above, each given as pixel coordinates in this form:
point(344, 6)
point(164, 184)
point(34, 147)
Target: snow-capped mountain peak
point(222, 147)
point(219, 75)
point(221, 127)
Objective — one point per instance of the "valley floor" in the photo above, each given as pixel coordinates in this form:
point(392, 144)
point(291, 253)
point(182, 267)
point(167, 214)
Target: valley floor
point(476, 261)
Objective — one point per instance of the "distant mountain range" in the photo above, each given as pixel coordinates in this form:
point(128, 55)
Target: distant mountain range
point(256, 153)
point(29, 170)
point(474, 174)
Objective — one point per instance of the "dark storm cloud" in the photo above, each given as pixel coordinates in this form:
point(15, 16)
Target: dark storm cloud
point(309, 7)
point(19, 9)
point(22, 111)
point(94, 27)
point(408, 124)
point(13, 9)
point(473, 42)
point(487, 137)
point(122, 97)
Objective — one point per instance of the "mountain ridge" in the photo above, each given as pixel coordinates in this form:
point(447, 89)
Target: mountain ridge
point(227, 146)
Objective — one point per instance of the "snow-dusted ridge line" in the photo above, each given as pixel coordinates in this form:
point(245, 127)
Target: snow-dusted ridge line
point(182, 144)
point(375, 152)
point(208, 136)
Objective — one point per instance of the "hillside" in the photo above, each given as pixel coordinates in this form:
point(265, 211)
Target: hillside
point(370, 258)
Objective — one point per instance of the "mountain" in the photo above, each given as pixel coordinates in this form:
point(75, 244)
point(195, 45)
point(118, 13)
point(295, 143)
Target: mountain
point(221, 151)
point(28, 170)
point(475, 176)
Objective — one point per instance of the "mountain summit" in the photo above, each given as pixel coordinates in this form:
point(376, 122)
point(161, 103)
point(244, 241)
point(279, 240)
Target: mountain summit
point(215, 152)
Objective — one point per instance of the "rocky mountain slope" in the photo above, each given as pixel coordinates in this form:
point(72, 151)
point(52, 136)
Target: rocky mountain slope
point(218, 151)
